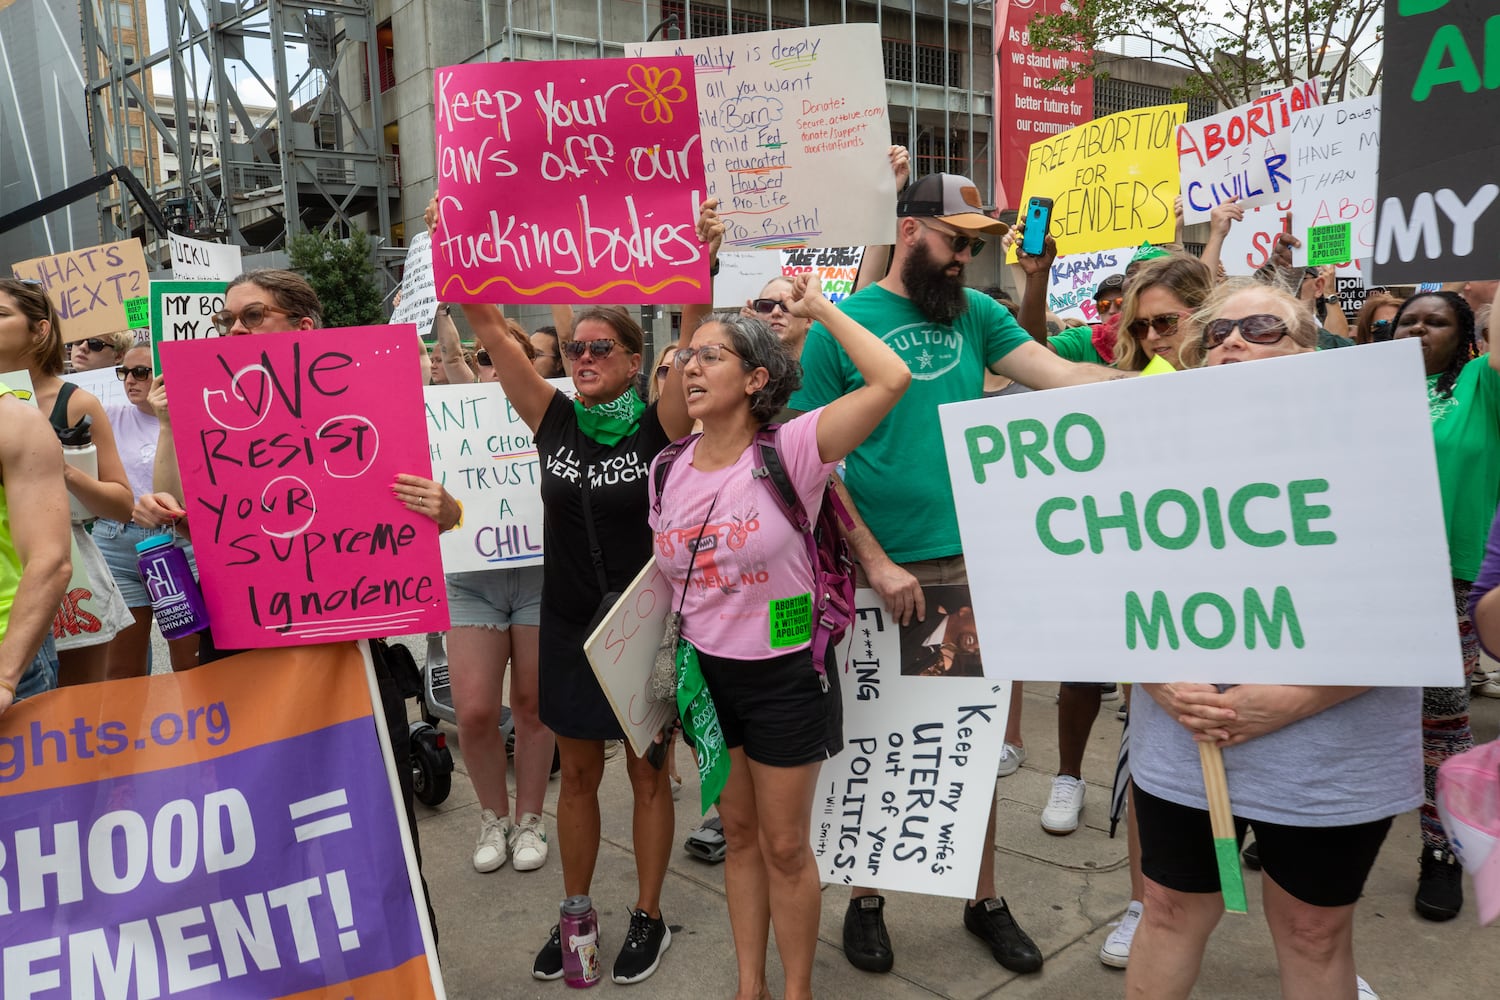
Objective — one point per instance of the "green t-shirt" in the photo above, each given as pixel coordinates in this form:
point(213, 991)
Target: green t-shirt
point(1077, 344)
point(899, 476)
point(1466, 431)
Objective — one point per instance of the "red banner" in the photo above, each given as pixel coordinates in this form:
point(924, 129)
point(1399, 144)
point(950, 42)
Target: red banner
point(1026, 111)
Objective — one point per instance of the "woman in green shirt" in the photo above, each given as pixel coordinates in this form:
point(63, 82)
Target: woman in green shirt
point(1463, 396)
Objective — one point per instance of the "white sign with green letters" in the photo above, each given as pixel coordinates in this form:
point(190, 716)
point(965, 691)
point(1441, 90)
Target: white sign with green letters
point(1276, 522)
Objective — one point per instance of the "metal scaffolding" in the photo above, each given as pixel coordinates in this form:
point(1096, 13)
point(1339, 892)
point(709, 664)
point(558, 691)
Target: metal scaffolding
point(316, 162)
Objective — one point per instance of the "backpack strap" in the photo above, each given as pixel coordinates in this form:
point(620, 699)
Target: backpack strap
point(663, 467)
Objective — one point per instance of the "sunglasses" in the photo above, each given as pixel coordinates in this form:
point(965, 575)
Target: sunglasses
point(1108, 303)
point(768, 306)
point(483, 357)
point(141, 373)
point(94, 344)
point(1163, 324)
point(1260, 328)
point(576, 349)
point(249, 317)
point(973, 244)
point(662, 371)
point(708, 354)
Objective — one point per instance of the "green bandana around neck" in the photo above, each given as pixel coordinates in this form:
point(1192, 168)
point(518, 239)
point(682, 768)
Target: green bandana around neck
point(612, 422)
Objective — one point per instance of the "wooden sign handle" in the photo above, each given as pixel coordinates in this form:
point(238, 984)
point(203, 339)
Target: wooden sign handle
point(1221, 818)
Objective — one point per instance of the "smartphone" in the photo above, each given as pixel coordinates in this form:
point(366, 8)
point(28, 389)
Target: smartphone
point(1038, 221)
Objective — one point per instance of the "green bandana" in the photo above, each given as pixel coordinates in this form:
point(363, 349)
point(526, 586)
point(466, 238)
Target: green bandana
point(700, 724)
point(1148, 252)
point(612, 422)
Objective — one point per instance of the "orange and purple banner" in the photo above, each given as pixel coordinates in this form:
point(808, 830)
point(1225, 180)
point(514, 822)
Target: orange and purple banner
point(288, 445)
point(228, 831)
point(569, 182)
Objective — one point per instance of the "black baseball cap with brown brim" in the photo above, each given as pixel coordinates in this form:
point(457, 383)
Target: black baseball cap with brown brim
point(948, 198)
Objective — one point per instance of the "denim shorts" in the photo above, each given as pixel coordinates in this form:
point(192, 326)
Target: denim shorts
point(117, 542)
point(495, 598)
point(41, 676)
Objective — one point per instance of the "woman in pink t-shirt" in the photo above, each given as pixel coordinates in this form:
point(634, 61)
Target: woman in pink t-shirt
point(721, 535)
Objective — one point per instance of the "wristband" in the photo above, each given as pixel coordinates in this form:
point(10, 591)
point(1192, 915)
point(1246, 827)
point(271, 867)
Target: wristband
point(9, 687)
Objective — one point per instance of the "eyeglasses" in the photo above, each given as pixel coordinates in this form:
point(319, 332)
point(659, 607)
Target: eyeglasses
point(601, 348)
point(94, 344)
point(708, 354)
point(768, 306)
point(141, 373)
point(1163, 324)
point(959, 243)
point(249, 317)
point(1380, 330)
point(1261, 328)
point(483, 357)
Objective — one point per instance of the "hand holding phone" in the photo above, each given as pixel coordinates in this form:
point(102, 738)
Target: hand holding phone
point(1038, 221)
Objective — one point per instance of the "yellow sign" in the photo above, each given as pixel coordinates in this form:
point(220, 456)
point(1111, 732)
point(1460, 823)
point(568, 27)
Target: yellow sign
point(1112, 181)
point(1158, 366)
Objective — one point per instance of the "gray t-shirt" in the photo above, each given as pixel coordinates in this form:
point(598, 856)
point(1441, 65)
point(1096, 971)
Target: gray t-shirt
point(1357, 762)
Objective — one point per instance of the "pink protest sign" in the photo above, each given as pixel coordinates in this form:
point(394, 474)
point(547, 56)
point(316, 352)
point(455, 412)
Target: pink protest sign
point(288, 445)
point(569, 182)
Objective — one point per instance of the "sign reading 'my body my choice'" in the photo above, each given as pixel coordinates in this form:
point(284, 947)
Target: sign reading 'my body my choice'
point(793, 121)
point(171, 840)
point(288, 445)
point(569, 182)
point(1248, 548)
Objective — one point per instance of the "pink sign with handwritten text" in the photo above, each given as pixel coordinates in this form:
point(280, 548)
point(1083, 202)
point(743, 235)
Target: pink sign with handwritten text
point(569, 182)
point(288, 445)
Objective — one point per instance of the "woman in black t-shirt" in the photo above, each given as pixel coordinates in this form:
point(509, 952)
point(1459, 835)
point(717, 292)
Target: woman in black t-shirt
point(593, 456)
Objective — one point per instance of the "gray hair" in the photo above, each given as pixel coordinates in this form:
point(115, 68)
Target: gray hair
point(759, 347)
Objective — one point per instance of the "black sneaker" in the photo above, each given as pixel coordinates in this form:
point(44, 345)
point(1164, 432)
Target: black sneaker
point(867, 946)
point(548, 962)
point(990, 921)
point(1440, 887)
point(645, 943)
point(1251, 855)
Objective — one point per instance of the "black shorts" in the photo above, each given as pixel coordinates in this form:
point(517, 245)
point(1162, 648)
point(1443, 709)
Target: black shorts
point(1319, 865)
point(776, 709)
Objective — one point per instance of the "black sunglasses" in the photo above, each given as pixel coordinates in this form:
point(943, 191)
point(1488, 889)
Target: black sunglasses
point(94, 344)
point(576, 349)
point(959, 243)
point(1163, 324)
point(141, 373)
point(1261, 328)
point(768, 306)
point(483, 357)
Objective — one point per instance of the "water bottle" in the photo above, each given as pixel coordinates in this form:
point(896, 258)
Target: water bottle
point(80, 453)
point(175, 598)
point(579, 930)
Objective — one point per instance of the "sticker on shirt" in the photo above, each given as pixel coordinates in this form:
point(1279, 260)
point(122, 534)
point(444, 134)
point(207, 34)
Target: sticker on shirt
point(791, 621)
point(928, 350)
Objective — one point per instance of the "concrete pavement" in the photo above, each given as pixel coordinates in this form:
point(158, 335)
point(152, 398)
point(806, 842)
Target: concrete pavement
point(1065, 891)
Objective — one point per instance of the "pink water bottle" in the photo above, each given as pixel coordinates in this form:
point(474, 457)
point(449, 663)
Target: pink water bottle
point(578, 928)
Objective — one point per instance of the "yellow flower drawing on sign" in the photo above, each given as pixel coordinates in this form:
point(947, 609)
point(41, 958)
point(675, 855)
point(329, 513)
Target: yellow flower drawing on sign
point(654, 91)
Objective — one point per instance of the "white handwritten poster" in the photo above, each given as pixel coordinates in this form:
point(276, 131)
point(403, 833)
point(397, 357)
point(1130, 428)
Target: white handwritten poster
point(485, 456)
point(1335, 169)
point(1073, 279)
point(419, 300)
point(742, 276)
point(200, 260)
point(792, 121)
point(903, 808)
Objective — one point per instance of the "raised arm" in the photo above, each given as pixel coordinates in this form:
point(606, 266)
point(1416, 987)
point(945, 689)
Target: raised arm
point(450, 350)
point(671, 408)
point(562, 319)
point(32, 465)
point(849, 419)
point(876, 260)
point(1034, 271)
point(1221, 219)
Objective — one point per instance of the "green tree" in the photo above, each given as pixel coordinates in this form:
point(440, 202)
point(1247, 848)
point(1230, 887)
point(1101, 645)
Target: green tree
point(342, 272)
point(1232, 48)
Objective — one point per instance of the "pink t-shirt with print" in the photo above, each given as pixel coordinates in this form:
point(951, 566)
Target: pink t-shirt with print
point(750, 593)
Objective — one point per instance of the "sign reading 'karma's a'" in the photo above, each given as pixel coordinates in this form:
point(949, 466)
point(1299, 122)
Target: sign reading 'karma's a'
point(1207, 526)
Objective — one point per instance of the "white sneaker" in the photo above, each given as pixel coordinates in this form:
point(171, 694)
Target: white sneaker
point(1011, 759)
point(489, 853)
point(1116, 950)
point(1061, 815)
point(1363, 990)
point(1489, 689)
point(528, 843)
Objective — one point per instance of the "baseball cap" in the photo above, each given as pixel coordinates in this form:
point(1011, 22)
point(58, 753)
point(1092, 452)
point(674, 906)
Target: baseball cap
point(1112, 285)
point(948, 198)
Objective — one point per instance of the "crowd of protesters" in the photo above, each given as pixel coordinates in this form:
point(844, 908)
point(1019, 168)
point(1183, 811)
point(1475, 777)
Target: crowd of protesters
point(852, 401)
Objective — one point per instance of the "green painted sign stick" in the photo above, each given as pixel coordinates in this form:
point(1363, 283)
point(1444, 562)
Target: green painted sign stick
point(1221, 818)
